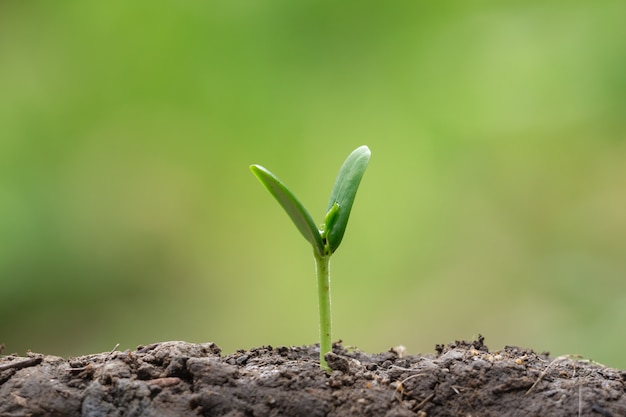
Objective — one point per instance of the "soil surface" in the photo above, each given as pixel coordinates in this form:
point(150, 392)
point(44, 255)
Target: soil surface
point(184, 379)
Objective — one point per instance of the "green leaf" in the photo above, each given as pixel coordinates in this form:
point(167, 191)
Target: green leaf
point(296, 211)
point(330, 219)
point(343, 194)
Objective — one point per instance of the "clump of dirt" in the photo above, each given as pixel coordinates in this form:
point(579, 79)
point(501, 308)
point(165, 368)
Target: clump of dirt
point(185, 379)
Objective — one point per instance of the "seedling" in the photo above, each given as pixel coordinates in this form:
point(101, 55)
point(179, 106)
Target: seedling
point(326, 238)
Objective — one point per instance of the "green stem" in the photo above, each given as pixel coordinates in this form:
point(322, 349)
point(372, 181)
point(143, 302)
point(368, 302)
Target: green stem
point(322, 266)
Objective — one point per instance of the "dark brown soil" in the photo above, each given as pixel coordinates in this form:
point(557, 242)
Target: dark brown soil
point(184, 379)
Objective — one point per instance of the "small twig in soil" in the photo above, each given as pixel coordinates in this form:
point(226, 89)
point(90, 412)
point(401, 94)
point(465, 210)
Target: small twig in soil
point(111, 352)
point(424, 401)
point(400, 388)
point(90, 366)
point(545, 371)
point(21, 364)
point(580, 400)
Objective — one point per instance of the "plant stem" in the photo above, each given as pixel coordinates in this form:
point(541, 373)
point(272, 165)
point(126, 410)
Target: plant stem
point(322, 266)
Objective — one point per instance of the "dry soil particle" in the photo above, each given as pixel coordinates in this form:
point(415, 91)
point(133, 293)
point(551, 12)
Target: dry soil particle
point(184, 379)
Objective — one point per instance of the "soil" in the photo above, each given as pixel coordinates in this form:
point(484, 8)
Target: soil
point(185, 379)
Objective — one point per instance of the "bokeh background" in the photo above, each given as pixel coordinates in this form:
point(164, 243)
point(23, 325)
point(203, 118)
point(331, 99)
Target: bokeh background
point(494, 203)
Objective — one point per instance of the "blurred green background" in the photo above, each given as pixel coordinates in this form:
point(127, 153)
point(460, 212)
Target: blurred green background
point(494, 202)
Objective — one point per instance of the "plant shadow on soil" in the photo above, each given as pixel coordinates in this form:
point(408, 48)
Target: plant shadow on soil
point(184, 379)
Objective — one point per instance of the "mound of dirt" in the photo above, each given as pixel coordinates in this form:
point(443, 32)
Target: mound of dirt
point(184, 379)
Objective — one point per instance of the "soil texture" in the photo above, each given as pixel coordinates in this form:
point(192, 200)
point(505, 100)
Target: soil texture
point(184, 379)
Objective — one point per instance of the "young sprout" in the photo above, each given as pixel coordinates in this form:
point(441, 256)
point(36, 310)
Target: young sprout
point(326, 238)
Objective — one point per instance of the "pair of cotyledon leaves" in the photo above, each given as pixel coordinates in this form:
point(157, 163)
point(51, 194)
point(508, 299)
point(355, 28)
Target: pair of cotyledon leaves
point(325, 239)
